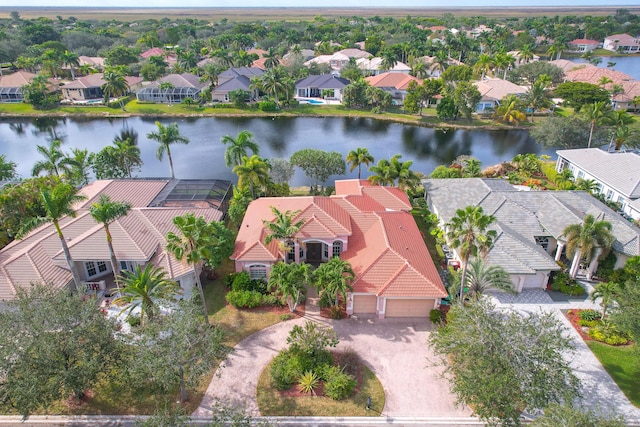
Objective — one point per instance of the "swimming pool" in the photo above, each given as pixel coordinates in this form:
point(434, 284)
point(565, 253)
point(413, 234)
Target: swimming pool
point(311, 101)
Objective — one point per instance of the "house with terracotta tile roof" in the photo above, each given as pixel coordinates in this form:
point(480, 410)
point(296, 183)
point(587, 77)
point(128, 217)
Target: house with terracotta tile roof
point(583, 45)
point(369, 226)
point(11, 86)
point(529, 225)
point(89, 87)
point(494, 90)
point(138, 237)
point(623, 43)
point(394, 83)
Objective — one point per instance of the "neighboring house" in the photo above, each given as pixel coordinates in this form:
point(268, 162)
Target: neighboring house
point(594, 75)
point(394, 83)
point(235, 79)
point(138, 238)
point(624, 101)
point(493, 90)
point(369, 226)
point(481, 29)
point(313, 86)
point(520, 61)
point(339, 59)
point(89, 88)
point(565, 65)
point(617, 174)
point(185, 85)
point(622, 43)
point(170, 59)
point(373, 66)
point(583, 45)
point(11, 86)
point(95, 62)
point(305, 54)
point(529, 224)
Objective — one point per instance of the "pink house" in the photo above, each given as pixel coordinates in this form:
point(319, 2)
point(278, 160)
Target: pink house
point(369, 226)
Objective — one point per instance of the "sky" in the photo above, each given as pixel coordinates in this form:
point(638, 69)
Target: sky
point(309, 3)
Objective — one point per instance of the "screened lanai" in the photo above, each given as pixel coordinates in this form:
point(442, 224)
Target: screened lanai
point(213, 193)
point(11, 94)
point(173, 95)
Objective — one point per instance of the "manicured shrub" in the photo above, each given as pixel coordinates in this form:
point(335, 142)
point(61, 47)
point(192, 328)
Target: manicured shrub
point(606, 265)
point(590, 315)
point(335, 312)
point(607, 333)
point(244, 299)
point(283, 371)
point(564, 283)
point(573, 290)
point(588, 323)
point(324, 301)
point(134, 321)
point(271, 300)
point(243, 282)
point(435, 316)
point(339, 385)
point(286, 316)
point(267, 106)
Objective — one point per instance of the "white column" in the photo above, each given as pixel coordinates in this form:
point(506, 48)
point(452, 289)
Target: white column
point(575, 264)
point(559, 249)
point(593, 265)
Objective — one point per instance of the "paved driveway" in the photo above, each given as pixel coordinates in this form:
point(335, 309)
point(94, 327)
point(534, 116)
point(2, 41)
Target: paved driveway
point(396, 351)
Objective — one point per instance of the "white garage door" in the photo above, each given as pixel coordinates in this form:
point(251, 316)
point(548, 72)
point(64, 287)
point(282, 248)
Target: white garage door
point(409, 307)
point(364, 304)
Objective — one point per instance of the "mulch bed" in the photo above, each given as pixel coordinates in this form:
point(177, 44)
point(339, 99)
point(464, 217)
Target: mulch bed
point(299, 311)
point(573, 316)
point(294, 391)
point(326, 312)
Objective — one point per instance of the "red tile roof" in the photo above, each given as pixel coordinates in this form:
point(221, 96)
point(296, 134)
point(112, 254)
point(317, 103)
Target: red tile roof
point(139, 236)
point(385, 246)
point(397, 80)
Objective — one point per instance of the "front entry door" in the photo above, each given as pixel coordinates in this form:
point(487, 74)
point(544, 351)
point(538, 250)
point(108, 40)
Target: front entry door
point(314, 253)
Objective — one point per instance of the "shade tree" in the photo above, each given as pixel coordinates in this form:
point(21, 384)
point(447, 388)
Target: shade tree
point(318, 165)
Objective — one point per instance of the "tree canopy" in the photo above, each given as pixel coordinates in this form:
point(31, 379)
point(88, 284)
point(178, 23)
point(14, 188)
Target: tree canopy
point(319, 165)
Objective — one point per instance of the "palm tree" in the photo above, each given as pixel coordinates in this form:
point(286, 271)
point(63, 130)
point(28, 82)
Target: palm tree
point(509, 110)
point(589, 185)
point(104, 212)
point(290, 280)
point(254, 172)
point(357, 158)
point(620, 120)
point(537, 97)
point(607, 292)
point(165, 136)
point(382, 173)
point(282, 228)
point(72, 60)
point(193, 245)
point(211, 73)
point(334, 278)
point(468, 232)
point(238, 147)
point(80, 163)
point(55, 162)
point(564, 179)
point(504, 61)
point(145, 289)
point(482, 277)
point(483, 64)
point(115, 85)
point(57, 203)
point(402, 172)
point(526, 53)
point(596, 114)
point(585, 240)
point(271, 59)
point(272, 83)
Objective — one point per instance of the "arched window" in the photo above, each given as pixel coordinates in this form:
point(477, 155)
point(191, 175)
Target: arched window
point(258, 271)
point(337, 248)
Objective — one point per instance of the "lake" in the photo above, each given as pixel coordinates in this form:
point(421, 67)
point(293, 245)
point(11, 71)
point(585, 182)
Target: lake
point(277, 137)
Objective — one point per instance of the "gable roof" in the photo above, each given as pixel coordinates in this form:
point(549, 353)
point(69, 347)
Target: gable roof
point(155, 51)
point(17, 79)
point(618, 170)
point(232, 73)
point(398, 81)
point(584, 42)
point(385, 247)
point(323, 81)
point(139, 236)
point(496, 89)
point(180, 80)
point(239, 82)
point(96, 80)
point(521, 216)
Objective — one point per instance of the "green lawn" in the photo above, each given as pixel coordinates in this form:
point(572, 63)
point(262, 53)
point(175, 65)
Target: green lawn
point(272, 403)
point(623, 364)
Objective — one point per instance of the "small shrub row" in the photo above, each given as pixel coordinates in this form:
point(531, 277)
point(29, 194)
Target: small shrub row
point(243, 282)
point(608, 333)
point(588, 323)
point(590, 315)
point(435, 316)
point(244, 299)
point(267, 106)
point(564, 283)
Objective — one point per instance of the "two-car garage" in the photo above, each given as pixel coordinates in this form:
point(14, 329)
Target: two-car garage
point(393, 307)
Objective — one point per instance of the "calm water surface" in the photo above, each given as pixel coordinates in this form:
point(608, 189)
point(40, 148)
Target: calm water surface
point(278, 137)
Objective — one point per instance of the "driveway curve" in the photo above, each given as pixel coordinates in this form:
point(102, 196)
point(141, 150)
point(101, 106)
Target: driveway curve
point(395, 350)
